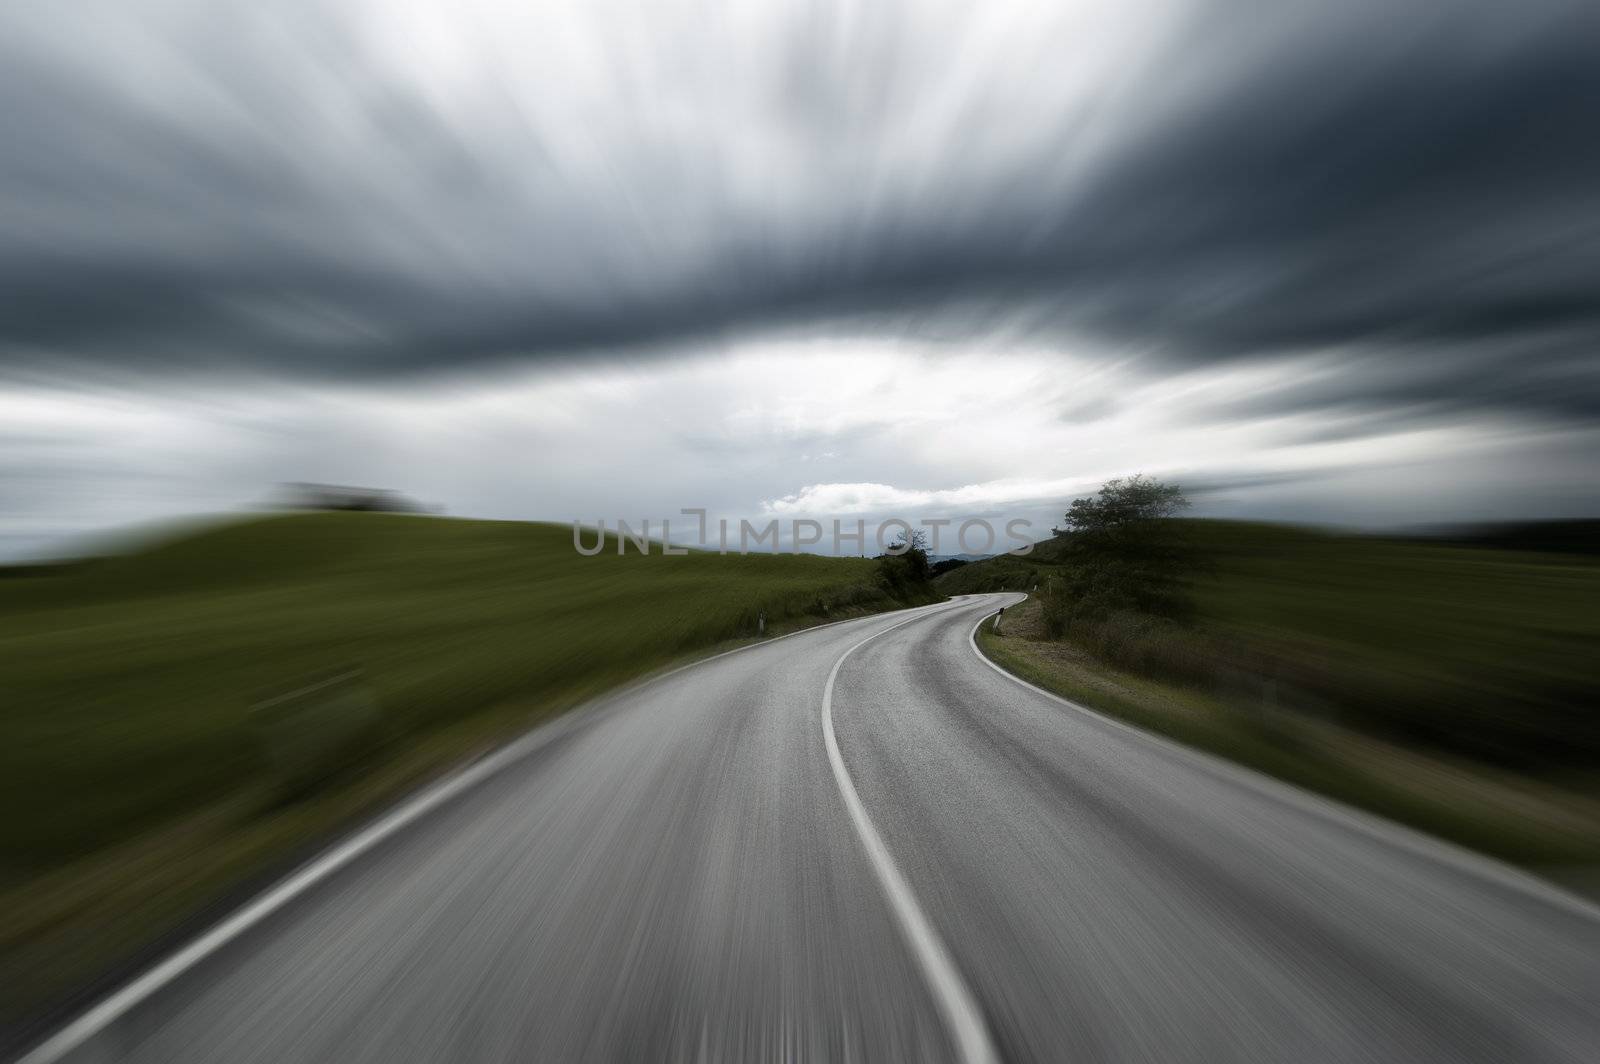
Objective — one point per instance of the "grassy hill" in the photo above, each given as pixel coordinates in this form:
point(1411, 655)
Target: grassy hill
point(1003, 572)
point(1488, 650)
point(1481, 659)
point(147, 762)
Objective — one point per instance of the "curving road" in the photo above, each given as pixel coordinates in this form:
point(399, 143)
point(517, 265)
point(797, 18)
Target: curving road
point(861, 843)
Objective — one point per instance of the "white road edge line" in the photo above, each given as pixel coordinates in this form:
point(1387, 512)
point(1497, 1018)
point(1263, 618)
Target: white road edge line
point(111, 1008)
point(955, 1000)
point(91, 1022)
point(1369, 824)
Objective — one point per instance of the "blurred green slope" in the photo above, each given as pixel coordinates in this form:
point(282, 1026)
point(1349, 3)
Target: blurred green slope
point(134, 781)
point(1488, 652)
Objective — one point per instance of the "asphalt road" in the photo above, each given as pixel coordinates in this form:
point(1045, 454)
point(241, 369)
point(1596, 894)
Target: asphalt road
point(943, 864)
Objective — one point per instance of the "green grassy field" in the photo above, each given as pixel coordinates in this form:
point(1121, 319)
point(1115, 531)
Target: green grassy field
point(1489, 653)
point(1417, 661)
point(137, 781)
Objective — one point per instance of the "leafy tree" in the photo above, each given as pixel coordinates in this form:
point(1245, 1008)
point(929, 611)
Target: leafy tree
point(1123, 554)
point(906, 563)
point(1124, 506)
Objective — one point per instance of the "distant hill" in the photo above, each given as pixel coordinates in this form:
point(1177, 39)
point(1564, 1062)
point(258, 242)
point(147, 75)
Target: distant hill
point(1000, 572)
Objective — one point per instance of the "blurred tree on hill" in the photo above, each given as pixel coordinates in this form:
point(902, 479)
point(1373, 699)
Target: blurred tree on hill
point(1122, 555)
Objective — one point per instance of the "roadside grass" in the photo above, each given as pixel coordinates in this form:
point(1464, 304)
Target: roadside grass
point(1482, 653)
point(138, 785)
point(1552, 826)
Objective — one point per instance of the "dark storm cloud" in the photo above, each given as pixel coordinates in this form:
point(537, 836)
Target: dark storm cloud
point(1201, 486)
point(1378, 181)
point(1540, 375)
point(1417, 185)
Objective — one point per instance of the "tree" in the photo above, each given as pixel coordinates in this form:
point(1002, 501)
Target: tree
point(906, 563)
point(1124, 505)
point(1123, 554)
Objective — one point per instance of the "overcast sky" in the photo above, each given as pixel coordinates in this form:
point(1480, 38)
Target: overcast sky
point(1331, 262)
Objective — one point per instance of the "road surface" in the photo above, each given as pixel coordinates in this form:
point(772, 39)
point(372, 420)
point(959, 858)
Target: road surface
point(865, 843)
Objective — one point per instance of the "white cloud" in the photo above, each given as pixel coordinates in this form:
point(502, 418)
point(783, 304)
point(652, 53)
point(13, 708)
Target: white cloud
point(784, 426)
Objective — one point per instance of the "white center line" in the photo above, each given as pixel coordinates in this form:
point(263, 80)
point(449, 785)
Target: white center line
point(955, 1000)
